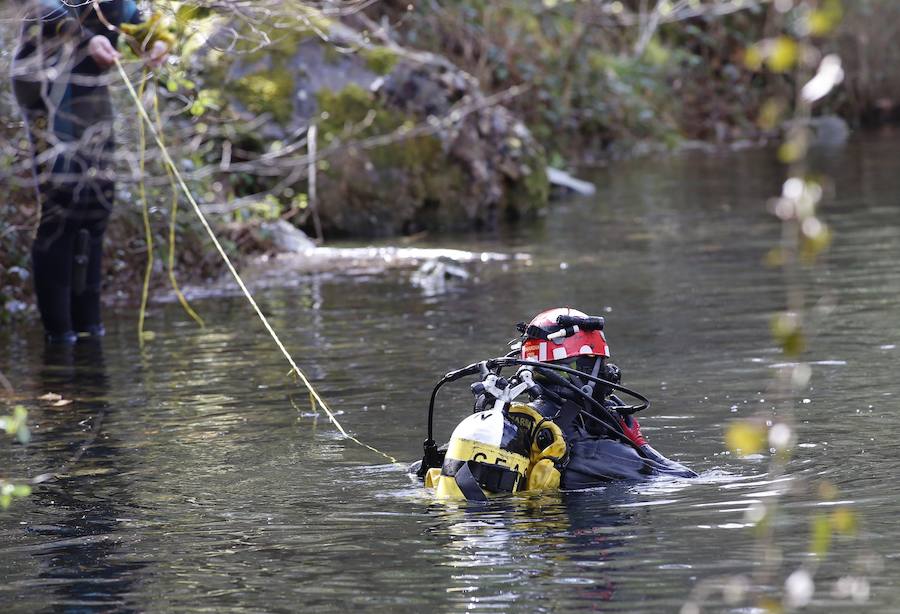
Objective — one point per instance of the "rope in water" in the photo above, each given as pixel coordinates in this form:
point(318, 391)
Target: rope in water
point(314, 395)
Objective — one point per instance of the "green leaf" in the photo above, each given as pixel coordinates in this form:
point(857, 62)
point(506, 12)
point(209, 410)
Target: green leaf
point(23, 434)
point(21, 490)
point(821, 535)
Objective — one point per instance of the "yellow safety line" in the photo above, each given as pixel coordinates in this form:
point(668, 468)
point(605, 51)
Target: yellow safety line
point(240, 282)
point(173, 215)
point(145, 214)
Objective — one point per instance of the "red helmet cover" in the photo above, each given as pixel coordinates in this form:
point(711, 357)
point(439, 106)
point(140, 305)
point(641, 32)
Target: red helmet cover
point(582, 343)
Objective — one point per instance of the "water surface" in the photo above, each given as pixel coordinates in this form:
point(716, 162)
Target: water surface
point(202, 480)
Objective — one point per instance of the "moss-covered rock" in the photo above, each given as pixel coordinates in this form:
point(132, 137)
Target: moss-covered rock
point(380, 59)
point(407, 142)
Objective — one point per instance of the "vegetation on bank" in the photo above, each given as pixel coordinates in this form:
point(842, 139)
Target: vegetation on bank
point(590, 80)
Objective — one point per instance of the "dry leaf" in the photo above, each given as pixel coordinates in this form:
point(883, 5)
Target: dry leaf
point(62, 403)
point(50, 396)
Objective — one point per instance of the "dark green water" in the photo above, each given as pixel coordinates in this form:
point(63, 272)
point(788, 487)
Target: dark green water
point(200, 487)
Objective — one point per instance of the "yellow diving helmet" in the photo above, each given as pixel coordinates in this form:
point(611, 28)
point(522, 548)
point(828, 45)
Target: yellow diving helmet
point(499, 451)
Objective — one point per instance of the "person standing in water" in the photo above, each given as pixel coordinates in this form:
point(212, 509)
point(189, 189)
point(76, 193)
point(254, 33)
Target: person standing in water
point(59, 76)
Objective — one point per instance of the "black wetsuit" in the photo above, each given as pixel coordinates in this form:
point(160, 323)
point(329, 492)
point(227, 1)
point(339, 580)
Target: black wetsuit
point(69, 118)
point(597, 454)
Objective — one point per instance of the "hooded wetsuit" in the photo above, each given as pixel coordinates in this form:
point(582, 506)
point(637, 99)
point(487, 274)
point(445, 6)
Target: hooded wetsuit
point(68, 114)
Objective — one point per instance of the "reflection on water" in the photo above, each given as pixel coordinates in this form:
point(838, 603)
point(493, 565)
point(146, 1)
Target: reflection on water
point(78, 543)
point(197, 486)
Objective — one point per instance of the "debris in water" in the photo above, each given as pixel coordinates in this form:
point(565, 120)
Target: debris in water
point(562, 179)
point(432, 276)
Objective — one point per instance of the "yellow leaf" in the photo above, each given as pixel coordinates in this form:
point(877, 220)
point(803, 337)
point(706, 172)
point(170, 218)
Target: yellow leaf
point(791, 151)
point(843, 521)
point(828, 491)
point(770, 114)
point(782, 55)
point(753, 58)
point(787, 331)
point(745, 437)
point(825, 19)
point(812, 246)
point(775, 257)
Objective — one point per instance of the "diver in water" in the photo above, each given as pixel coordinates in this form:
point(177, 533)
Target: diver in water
point(599, 450)
point(574, 433)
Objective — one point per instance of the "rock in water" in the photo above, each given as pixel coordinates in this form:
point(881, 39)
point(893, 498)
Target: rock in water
point(285, 237)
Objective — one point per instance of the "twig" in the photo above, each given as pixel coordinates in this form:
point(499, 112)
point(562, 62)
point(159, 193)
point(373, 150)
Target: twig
point(311, 140)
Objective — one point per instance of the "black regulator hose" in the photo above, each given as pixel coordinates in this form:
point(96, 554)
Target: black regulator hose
point(608, 419)
point(452, 376)
point(628, 409)
point(504, 361)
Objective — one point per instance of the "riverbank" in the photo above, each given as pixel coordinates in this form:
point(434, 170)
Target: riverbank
point(427, 121)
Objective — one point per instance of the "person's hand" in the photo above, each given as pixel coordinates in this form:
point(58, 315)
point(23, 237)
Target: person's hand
point(104, 54)
point(157, 55)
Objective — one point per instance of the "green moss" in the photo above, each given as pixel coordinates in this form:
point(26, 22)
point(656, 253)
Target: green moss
point(380, 60)
point(267, 91)
point(409, 172)
point(284, 38)
point(533, 191)
point(352, 106)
